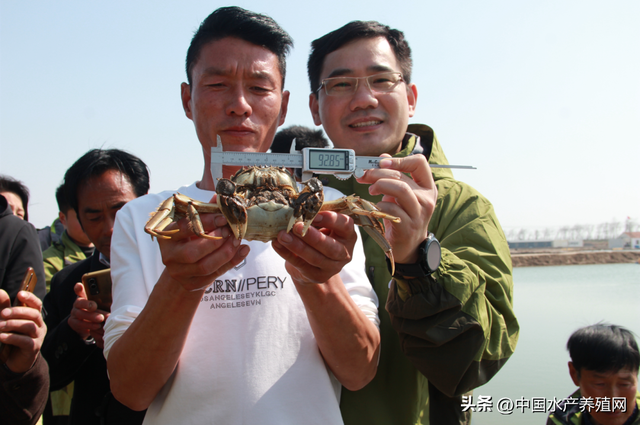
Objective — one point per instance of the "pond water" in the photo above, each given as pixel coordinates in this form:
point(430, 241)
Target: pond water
point(551, 303)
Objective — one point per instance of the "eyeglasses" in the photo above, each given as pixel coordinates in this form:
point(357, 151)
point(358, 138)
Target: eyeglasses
point(346, 86)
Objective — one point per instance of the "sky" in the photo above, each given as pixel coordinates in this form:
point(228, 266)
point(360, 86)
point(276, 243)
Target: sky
point(542, 97)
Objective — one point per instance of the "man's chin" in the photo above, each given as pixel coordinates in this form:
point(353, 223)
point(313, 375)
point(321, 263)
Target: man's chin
point(617, 418)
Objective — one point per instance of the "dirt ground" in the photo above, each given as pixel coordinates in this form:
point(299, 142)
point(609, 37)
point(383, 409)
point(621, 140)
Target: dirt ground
point(529, 259)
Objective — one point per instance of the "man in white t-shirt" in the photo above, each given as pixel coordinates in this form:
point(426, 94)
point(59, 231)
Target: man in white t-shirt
point(224, 332)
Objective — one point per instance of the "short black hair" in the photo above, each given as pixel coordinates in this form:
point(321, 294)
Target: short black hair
point(252, 27)
point(355, 30)
point(9, 184)
point(61, 199)
point(305, 138)
point(96, 162)
point(603, 348)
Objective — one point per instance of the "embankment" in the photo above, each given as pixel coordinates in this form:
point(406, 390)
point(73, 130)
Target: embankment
point(549, 258)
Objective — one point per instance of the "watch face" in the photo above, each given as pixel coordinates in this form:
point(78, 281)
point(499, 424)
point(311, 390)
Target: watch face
point(433, 255)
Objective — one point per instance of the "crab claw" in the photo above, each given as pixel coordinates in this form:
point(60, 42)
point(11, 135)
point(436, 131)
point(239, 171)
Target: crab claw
point(307, 205)
point(232, 207)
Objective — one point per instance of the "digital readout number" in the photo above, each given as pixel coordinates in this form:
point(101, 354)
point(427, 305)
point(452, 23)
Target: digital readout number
point(327, 161)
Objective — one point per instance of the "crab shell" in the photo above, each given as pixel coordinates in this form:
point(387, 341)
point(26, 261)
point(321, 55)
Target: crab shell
point(260, 202)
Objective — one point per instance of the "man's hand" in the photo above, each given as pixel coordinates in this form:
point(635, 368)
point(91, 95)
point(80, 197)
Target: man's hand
point(23, 329)
point(413, 199)
point(322, 252)
point(195, 262)
point(86, 319)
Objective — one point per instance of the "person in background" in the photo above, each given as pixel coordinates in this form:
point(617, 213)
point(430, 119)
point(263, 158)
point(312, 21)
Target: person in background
point(74, 244)
point(223, 331)
point(71, 246)
point(305, 137)
point(97, 186)
point(50, 234)
point(24, 376)
point(17, 195)
point(19, 246)
point(450, 324)
point(604, 366)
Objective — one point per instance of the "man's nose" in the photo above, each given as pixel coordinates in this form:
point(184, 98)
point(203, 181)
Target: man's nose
point(107, 226)
point(238, 103)
point(363, 98)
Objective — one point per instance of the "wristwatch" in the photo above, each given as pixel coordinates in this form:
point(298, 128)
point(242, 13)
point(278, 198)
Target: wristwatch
point(429, 255)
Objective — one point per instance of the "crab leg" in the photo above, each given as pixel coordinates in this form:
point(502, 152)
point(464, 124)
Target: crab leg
point(365, 215)
point(161, 219)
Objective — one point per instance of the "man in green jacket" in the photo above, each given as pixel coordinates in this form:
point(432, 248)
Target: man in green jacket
point(74, 245)
point(449, 324)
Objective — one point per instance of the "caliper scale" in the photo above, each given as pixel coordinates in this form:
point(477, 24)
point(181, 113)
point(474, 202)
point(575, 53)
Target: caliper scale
point(341, 163)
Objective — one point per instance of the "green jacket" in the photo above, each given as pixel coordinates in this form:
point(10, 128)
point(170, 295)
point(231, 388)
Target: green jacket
point(440, 338)
point(59, 255)
point(571, 414)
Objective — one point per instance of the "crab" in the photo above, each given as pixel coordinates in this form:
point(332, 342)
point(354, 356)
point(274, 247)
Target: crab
point(259, 202)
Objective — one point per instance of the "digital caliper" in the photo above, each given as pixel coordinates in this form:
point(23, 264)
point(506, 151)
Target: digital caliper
point(341, 163)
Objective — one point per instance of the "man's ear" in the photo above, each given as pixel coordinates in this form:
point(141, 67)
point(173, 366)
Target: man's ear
point(185, 94)
point(314, 106)
point(412, 98)
point(63, 218)
point(284, 107)
point(575, 376)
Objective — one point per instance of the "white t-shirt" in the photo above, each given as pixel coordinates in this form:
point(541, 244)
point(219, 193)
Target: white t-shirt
point(250, 356)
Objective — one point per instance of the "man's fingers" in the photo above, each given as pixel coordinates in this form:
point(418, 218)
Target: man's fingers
point(23, 342)
point(78, 288)
point(318, 246)
point(30, 300)
point(416, 165)
point(5, 301)
point(24, 327)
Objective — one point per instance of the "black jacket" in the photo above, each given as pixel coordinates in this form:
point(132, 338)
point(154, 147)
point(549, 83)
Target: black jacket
point(19, 249)
point(71, 359)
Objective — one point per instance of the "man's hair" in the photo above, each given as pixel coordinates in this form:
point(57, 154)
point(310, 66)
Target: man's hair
point(355, 30)
point(96, 162)
point(305, 138)
point(9, 184)
point(251, 27)
point(603, 348)
point(61, 199)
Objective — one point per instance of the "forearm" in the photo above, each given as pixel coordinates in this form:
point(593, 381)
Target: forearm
point(457, 329)
point(347, 339)
point(141, 361)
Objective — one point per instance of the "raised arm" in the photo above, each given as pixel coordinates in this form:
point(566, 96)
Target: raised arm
point(348, 340)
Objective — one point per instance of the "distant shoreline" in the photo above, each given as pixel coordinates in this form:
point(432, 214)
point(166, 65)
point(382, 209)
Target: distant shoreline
point(532, 258)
